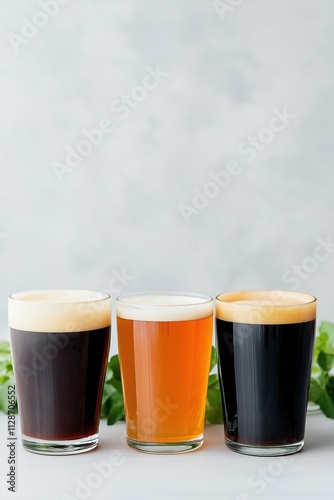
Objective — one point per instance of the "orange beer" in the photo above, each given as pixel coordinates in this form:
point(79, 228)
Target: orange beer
point(164, 345)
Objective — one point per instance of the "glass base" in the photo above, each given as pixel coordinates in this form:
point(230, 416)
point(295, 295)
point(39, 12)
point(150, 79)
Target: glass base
point(264, 451)
point(166, 448)
point(66, 447)
point(313, 408)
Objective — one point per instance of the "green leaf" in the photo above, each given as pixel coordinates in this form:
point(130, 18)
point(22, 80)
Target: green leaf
point(325, 341)
point(117, 384)
point(213, 410)
point(325, 361)
point(3, 379)
point(214, 415)
point(4, 347)
point(106, 406)
point(328, 328)
point(316, 390)
point(214, 398)
point(4, 394)
point(213, 382)
point(114, 365)
point(112, 406)
point(213, 359)
point(328, 348)
point(3, 398)
point(109, 374)
point(330, 386)
point(108, 390)
point(116, 412)
point(326, 404)
point(322, 384)
point(3, 365)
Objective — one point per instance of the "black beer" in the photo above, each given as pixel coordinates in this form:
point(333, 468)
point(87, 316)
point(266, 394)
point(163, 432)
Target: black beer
point(264, 371)
point(265, 403)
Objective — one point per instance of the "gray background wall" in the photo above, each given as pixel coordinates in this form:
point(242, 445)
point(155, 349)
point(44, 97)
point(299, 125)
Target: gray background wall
point(125, 214)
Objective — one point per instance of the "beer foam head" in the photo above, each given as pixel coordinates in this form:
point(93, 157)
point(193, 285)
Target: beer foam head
point(266, 307)
point(59, 310)
point(164, 306)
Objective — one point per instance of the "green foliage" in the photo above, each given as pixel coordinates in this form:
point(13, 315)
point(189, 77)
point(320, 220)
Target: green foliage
point(213, 411)
point(6, 374)
point(322, 380)
point(112, 400)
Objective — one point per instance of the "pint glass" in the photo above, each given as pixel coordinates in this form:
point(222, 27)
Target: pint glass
point(164, 343)
point(265, 345)
point(60, 344)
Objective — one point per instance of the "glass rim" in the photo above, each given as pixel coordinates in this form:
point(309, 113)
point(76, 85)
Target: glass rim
point(264, 294)
point(125, 299)
point(74, 296)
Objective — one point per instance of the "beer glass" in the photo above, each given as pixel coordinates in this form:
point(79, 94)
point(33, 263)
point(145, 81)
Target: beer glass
point(60, 344)
point(164, 344)
point(265, 345)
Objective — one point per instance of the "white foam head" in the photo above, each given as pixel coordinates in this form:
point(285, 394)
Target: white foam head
point(266, 307)
point(59, 310)
point(164, 306)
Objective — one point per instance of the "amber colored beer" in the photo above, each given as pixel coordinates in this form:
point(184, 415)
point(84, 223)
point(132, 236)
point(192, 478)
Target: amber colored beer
point(165, 357)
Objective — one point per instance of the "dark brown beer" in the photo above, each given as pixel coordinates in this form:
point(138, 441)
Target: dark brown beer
point(60, 345)
point(59, 381)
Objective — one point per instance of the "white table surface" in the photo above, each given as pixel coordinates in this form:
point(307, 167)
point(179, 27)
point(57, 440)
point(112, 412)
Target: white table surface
point(211, 472)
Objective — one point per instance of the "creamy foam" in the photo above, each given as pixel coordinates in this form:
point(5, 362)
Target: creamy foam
point(266, 307)
point(59, 310)
point(160, 306)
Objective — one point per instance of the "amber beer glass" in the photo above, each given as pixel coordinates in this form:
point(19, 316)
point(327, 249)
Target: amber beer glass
point(265, 345)
point(164, 344)
point(60, 344)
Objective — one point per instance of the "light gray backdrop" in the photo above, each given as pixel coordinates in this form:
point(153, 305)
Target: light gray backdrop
point(212, 169)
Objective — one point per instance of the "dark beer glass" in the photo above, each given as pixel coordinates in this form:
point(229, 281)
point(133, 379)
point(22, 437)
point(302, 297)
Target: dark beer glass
point(265, 345)
point(60, 345)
